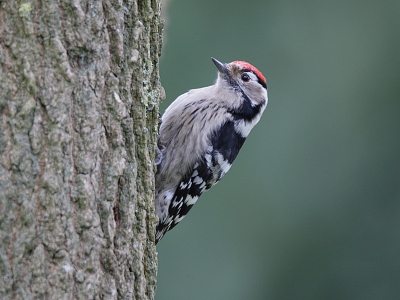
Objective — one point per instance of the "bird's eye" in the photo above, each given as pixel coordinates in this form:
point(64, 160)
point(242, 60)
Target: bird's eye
point(245, 77)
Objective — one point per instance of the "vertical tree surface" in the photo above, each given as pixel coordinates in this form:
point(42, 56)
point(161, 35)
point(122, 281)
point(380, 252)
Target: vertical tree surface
point(79, 94)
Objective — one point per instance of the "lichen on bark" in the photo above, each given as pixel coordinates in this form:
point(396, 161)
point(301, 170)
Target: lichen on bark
point(79, 95)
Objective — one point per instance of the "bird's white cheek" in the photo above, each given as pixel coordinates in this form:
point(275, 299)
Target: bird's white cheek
point(191, 200)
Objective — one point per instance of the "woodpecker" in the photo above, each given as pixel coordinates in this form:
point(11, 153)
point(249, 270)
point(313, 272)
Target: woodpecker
point(200, 135)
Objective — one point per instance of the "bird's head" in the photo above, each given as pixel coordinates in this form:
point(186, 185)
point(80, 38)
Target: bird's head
point(243, 78)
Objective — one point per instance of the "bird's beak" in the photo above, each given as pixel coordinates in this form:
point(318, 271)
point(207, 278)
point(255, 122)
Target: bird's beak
point(220, 66)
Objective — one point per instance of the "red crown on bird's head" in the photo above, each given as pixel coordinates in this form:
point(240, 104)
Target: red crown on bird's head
point(247, 66)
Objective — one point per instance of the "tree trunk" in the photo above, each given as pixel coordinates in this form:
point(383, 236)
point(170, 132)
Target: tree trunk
point(79, 95)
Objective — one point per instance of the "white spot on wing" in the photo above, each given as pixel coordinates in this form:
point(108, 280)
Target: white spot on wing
point(208, 156)
point(191, 200)
point(224, 164)
point(169, 220)
point(198, 180)
point(177, 203)
point(177, 220)
point(202, 187)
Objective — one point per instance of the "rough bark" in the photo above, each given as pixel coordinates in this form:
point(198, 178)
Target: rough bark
point(79, 94)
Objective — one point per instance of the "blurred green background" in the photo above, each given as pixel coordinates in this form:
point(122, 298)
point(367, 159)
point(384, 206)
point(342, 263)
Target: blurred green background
point(311, 207)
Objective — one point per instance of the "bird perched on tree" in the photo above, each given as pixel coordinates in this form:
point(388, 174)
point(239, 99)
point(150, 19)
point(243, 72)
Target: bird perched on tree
point(200, 135)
